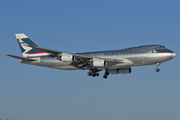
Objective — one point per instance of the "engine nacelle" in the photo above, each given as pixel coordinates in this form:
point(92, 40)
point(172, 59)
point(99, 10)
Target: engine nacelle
point(99, 63)
point(120, 71)
point(67, 58)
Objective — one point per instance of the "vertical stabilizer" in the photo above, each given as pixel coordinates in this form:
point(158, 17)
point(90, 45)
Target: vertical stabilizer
point(23, 41)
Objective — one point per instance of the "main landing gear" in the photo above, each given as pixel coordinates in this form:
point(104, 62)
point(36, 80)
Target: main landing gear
point(93, 73)
point(157, 69)
point(105, 74)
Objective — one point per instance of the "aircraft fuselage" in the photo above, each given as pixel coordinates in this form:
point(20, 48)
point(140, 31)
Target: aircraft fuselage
point(137, 56)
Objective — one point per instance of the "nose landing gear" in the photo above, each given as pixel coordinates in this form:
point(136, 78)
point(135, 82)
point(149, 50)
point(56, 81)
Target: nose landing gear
point(157, 69)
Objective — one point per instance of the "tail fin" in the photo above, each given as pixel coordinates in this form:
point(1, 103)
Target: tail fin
point(23, 41)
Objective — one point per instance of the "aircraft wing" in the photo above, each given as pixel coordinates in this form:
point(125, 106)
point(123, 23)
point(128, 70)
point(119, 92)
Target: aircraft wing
point(55, 52)
point(20, 58)
point(82, 61)
point(58, 53)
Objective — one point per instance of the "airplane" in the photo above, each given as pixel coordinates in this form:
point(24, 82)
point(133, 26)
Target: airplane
point(112, 62)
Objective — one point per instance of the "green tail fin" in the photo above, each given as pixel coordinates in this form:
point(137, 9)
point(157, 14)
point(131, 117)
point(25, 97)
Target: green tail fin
point(23, 41)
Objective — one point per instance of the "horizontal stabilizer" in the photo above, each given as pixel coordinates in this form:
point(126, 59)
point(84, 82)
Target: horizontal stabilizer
point(20, 58)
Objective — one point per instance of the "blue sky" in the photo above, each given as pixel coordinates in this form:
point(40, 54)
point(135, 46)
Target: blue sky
point(32, 92)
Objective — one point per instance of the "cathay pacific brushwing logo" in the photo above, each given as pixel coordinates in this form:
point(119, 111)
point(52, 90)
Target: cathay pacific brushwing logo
point(154, 51)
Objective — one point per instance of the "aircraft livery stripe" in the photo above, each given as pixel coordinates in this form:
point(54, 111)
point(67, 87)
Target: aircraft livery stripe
point(36, 53)
point(164, 51)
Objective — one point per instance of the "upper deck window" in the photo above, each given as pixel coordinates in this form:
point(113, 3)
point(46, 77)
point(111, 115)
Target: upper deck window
point(162, 47)
point(159, 46)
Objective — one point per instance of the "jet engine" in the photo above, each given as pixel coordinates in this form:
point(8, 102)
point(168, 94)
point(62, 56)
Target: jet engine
point(67, 58)
point(99, 63)
point(120, 71)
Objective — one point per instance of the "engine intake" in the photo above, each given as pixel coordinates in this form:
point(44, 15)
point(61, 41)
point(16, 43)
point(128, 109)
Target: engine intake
point(120, 71)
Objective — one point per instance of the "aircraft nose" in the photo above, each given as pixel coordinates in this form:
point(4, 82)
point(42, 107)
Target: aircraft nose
point(174, 54)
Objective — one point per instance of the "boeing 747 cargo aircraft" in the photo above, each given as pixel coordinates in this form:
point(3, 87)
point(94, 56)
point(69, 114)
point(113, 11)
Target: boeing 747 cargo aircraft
point(112, 62)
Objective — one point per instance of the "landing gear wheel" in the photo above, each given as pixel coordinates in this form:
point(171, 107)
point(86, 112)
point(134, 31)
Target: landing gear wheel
point(105, 76)
point(93, 75)
point(157, 69)
point(89, 73)
point(106, 73)
point(97, 74)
